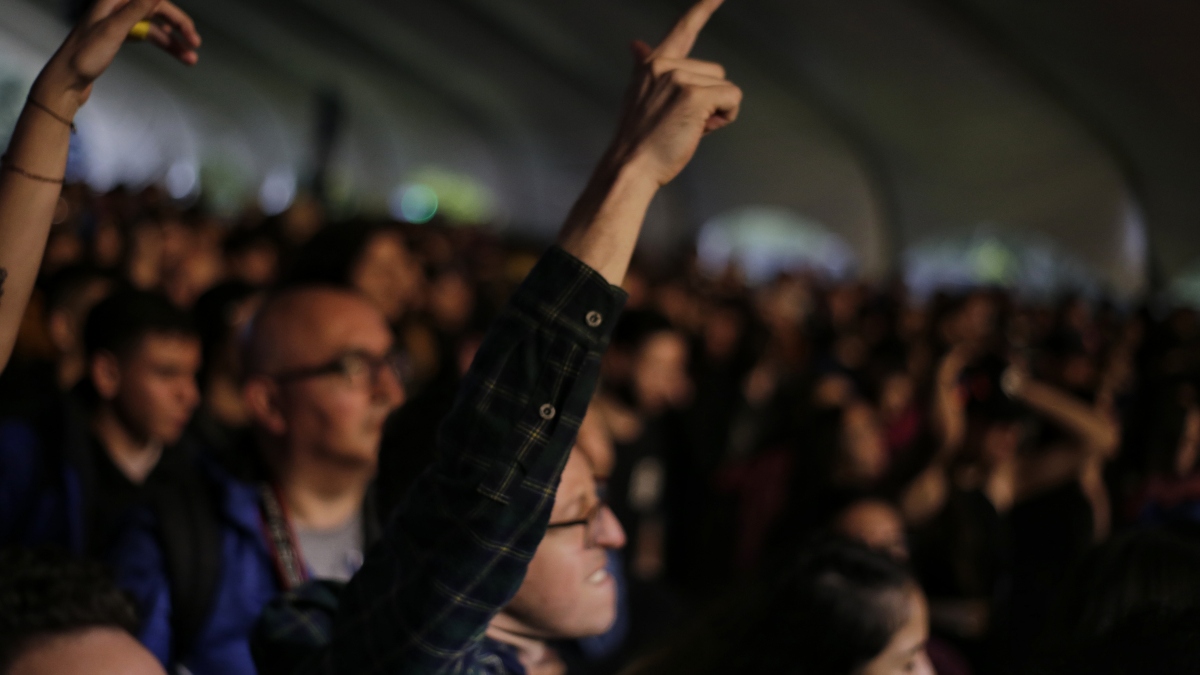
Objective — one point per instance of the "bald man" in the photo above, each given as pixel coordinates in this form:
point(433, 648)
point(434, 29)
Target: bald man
point(321, 379)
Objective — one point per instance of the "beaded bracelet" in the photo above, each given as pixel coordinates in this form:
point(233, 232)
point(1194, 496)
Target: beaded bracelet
point(5, 165)
point(46, 109)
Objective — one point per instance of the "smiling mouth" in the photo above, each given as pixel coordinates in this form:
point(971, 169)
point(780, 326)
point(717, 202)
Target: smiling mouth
point(598, 577)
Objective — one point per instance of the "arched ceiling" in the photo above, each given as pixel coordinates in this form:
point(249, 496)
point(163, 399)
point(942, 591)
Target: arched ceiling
point(891, 122)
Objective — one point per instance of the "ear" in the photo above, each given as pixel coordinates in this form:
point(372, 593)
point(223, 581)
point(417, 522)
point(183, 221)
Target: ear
point(105, 370)
point(61, 332)
point(261, 397)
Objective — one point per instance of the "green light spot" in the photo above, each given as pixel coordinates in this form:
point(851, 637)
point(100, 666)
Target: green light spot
point(415, 203)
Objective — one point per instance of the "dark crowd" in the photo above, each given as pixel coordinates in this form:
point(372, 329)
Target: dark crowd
point(207, 424)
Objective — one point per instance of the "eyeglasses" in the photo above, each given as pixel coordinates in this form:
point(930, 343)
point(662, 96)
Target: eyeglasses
point(590, 521)
point(360, 368)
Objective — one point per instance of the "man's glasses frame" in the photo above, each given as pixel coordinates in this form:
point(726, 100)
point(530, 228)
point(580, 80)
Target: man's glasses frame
point(357, 366)
point(590, 521)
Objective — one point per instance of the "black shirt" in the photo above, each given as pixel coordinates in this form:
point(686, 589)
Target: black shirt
point(115, 494)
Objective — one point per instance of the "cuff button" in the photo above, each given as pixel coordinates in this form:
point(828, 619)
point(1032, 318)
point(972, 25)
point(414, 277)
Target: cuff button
point(594, 319)
point(547, 411)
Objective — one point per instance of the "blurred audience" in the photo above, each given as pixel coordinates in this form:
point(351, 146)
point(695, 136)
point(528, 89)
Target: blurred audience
point(213, 405)
point(1010, 436)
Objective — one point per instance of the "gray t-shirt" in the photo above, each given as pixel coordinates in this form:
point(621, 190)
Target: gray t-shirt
point(336, 553)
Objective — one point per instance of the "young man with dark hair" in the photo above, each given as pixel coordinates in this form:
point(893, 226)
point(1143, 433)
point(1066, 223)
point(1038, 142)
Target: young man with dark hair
point(69, 477)
point(63, 616)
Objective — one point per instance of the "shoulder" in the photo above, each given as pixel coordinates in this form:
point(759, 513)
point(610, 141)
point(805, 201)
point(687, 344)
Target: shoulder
point(25, 460)
point(18, 439)
point(494, 658)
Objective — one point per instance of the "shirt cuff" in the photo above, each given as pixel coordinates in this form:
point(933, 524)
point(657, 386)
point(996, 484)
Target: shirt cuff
point(564, 291)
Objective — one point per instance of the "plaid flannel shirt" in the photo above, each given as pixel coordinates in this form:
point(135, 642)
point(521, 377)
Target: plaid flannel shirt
point(457, 549)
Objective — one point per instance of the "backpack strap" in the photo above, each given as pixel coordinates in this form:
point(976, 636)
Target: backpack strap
point(190, 534)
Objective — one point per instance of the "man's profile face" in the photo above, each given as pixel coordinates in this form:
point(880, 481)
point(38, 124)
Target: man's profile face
point(156, 390)
point(568, 592)
point(337, 417)
point(89, 651)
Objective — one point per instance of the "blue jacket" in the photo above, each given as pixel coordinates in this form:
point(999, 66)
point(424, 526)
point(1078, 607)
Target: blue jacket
point(43, 480)
point(246, 582)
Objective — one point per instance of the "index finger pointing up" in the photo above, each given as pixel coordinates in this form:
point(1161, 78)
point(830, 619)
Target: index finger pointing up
point(678, 43)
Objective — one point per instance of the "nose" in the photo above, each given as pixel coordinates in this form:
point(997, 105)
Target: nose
point(609, 533)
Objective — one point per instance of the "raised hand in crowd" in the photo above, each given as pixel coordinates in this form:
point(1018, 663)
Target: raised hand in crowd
point(1092, 432)
point(35, 163)
point(672, 102)
point(926, 494)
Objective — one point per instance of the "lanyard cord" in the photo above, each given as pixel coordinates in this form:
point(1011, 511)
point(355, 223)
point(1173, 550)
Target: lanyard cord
point(281, 540)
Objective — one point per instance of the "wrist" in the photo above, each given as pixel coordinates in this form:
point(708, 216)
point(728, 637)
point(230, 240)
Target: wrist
point(53, 91)
point(621, 166)
point(632, 178)
point(614, 182)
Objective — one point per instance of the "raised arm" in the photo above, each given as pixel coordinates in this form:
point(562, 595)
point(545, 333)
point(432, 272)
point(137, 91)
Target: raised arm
point(457, 549)
point(1098, 433)
point(671, 103)
point(33, 167)
point(925, 496)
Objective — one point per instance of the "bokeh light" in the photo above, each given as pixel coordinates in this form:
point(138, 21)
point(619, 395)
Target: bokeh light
point(1031, 265)
point(766, 240)
point(414, 203)
point(461, 199)
point(277, 191)
point(181, 180)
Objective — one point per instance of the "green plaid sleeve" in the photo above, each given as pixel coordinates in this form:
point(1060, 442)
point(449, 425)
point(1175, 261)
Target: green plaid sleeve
point(457, 549)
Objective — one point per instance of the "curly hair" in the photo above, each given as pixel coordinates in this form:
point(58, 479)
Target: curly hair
point(45, 593)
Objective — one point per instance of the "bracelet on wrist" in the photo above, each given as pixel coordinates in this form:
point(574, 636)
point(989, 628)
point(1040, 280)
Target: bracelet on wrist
point(46, 109)
point(6, 165)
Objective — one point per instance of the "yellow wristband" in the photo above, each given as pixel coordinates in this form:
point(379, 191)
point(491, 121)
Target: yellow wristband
point(140, 31)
